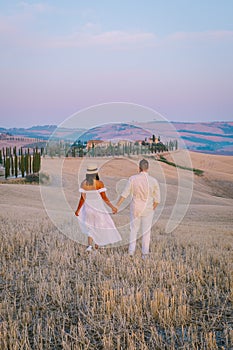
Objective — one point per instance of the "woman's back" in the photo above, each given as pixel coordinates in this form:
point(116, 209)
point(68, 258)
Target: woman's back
point(94, 219)
point(96, 185)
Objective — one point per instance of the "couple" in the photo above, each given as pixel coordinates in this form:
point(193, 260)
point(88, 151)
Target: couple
point(96, 222)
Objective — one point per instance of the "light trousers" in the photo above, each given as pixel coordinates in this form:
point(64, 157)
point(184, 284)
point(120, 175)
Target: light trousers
point(142, 224)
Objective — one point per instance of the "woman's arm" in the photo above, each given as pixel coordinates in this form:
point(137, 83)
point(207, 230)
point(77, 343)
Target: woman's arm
point(80, 204)
point(107, 201)
point(99, 185)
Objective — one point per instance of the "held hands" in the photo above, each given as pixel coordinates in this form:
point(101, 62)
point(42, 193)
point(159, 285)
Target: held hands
point(114, 210)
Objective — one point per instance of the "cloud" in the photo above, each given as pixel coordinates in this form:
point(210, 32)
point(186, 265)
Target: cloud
point(22, 20)
point(115, 38)
point(201, 36)
point(22, 29)
point(34, 8)
point(130, 39)
point(19, 29)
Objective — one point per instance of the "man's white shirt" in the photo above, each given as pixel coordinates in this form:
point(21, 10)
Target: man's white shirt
point(144, 190)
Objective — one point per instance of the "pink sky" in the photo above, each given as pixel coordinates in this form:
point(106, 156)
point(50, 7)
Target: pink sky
point(58, 59)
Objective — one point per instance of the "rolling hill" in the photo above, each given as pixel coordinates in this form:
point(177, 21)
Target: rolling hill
point(211, 137)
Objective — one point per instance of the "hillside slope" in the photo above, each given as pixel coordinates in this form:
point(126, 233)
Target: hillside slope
point(212, 137)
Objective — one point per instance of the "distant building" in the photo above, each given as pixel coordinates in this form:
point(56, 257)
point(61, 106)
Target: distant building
point(157, 140)
point(123, 142)
point(94, 143)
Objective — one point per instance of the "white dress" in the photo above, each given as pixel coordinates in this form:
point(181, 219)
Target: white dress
point(95, 221)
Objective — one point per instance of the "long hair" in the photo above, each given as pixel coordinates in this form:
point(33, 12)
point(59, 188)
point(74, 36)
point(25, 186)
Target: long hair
point(91, 177)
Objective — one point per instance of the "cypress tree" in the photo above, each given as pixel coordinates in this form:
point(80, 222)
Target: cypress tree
point(3, 155)
point(118, 148)
point(130, 147)
point(7, 167)
point(93, 150)
point(39, 161)
point(30, 163)
point(0, 156)
point(19, 160)
point(36, 162)
point(16, 165)
point(22, 165)
point(12, 165)
point(26, 165)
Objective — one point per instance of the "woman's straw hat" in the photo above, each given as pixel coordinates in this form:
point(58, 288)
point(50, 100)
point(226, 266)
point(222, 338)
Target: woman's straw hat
point(92, 169)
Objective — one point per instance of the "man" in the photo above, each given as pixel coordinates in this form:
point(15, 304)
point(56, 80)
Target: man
point(145, 193)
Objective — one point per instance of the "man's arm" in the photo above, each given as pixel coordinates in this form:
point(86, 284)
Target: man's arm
point(124, 194)
point(120, 201)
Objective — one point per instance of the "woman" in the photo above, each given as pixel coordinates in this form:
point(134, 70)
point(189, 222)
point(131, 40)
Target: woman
point(94, 219)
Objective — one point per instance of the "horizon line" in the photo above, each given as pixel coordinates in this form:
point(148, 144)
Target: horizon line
point(129, 122)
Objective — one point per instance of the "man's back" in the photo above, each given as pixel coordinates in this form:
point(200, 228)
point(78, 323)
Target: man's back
point(145, 196)
point(144, 190)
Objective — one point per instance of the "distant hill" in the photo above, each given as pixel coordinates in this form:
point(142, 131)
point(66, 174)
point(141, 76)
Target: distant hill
point(38, 131)
point(215, 137)
point(212, 137)
point(116, 131)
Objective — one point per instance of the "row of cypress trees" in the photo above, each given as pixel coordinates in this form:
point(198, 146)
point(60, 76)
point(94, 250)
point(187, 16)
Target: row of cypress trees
point(20, 163)
point(79, 148)
point(130, 148)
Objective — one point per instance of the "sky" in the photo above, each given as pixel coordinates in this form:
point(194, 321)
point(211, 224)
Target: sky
point(59, 57)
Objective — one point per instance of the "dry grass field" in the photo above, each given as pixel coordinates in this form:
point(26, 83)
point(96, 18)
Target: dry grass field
point(53, 295)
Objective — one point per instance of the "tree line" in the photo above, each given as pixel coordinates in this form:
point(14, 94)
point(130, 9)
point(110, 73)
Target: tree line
point(123, 149)
point(79, 148)
point(25, 162)
point(20, 163)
